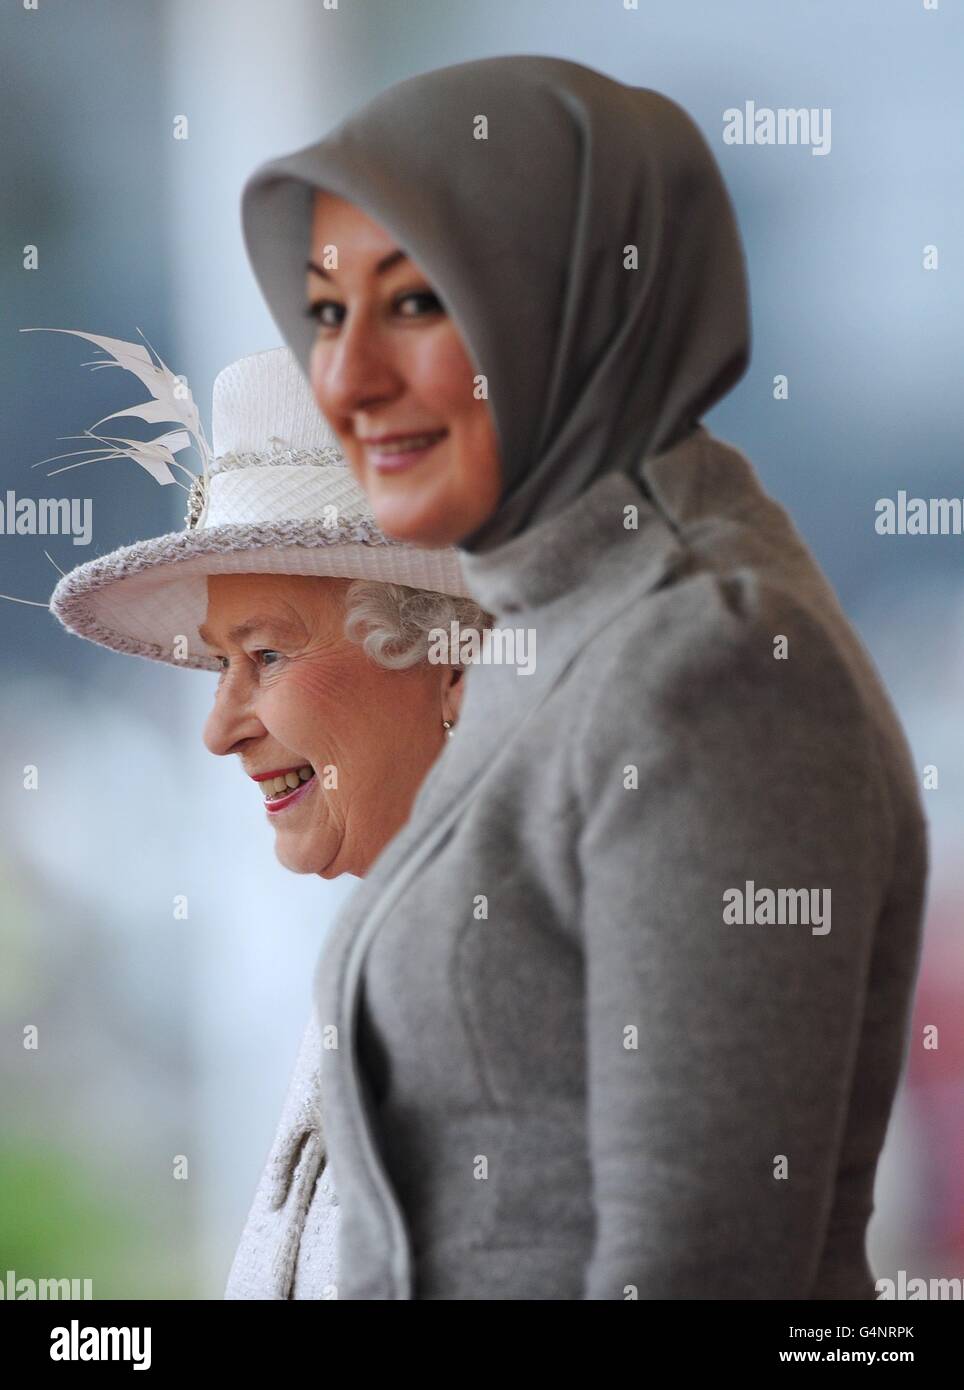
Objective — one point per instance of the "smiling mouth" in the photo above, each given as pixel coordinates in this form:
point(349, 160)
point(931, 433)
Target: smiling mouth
point(396, 454)
point(284, 790)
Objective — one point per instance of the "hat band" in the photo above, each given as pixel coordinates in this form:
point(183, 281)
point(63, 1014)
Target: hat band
point(282, 492)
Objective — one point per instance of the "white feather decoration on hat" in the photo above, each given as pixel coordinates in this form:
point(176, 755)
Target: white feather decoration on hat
point(171, 403)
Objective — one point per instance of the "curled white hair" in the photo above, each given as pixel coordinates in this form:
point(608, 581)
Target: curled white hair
point(392, 622)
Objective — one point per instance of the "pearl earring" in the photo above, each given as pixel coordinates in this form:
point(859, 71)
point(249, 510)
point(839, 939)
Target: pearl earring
point(447, 726)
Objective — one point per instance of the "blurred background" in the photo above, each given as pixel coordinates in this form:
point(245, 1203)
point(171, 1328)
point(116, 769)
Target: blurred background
point(160, 1036)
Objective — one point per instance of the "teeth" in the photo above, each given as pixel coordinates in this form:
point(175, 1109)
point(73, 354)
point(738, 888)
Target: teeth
point(402, 446)
point(276, 786)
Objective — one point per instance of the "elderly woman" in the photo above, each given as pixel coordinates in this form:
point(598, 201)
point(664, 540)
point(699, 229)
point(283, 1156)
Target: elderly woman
point(320, 629)
point(623, 1007)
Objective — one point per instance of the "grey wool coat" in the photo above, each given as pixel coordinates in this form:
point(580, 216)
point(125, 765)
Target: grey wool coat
point(288, 1246)
point(557, 1061)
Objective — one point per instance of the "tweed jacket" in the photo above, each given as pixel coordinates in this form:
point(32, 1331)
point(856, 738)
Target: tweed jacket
point(622, 1010)
point(287, 1248)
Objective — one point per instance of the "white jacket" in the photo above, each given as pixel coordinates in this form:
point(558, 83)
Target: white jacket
point(288, 1246)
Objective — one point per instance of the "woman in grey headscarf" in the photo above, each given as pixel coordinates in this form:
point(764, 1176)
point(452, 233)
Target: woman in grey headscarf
point(621, 1012)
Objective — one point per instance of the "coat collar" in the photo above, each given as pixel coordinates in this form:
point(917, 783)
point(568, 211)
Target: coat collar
point(564, 555)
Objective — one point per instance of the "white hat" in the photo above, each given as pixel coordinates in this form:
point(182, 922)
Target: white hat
point(276, 497)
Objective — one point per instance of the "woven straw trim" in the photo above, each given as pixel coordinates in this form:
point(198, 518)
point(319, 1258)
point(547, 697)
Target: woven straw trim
point(70, 599)
point(83, 625)
point(328, 457)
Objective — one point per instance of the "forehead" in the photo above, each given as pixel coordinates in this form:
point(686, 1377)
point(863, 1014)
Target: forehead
point(335, 220)
point(238, 604)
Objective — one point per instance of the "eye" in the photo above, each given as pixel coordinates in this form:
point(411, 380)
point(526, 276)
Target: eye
point(328, 313)
point(427, 300)
point(266, 651)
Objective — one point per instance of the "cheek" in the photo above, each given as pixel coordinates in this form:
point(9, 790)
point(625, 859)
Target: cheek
point(446, 382)
point(303, 704)
point(440, 374)
point(333, 702)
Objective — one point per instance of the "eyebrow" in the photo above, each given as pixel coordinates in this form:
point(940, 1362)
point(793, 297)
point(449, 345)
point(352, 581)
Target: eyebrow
point(384, 264)
point(262, 622)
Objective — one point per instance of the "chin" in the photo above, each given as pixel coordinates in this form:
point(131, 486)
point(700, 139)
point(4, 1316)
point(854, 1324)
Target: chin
point(406, 519)
point(329, 871)
point(305, 861)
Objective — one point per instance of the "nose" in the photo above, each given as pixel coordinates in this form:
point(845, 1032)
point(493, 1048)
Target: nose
point(232, 721)
point(354, 371)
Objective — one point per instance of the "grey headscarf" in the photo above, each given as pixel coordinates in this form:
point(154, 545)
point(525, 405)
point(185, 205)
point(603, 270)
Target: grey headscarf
point(591, 366)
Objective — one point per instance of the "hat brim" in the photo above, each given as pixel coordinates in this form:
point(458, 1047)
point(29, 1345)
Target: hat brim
point(148, 599)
